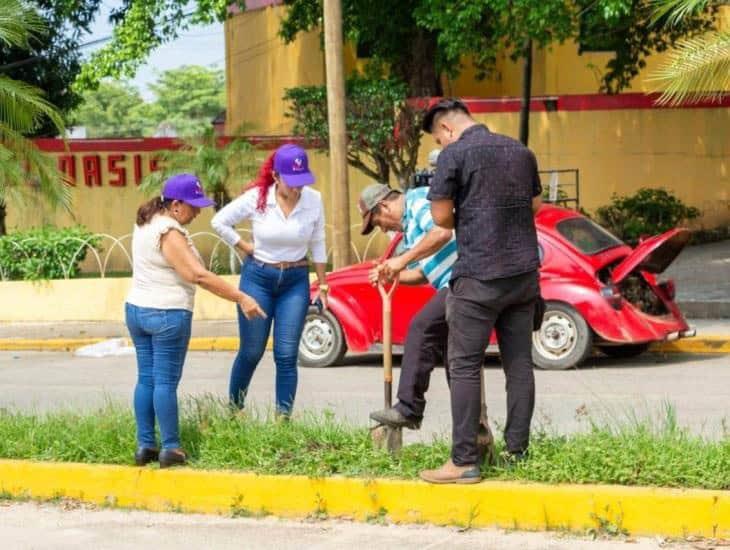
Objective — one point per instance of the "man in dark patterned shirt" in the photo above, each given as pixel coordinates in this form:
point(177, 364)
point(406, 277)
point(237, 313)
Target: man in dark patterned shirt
point(486, 187)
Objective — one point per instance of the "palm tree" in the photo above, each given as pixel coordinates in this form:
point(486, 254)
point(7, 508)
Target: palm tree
point(26, 174)
point(223, 169)
point(699, 67)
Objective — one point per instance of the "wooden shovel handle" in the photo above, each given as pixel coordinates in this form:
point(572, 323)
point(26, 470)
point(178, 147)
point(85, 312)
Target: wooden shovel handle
point(387, 296)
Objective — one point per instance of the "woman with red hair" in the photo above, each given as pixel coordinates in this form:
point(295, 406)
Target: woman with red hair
point(287, 220)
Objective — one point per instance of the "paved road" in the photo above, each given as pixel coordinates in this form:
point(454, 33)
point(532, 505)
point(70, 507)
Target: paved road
point(698, 387)
point(26, 526)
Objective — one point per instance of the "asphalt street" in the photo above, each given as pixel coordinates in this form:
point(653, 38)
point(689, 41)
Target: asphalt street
point(67, 526)
point(698, 387)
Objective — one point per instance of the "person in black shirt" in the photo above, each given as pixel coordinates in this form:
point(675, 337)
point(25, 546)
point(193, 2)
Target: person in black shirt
point(487, 188)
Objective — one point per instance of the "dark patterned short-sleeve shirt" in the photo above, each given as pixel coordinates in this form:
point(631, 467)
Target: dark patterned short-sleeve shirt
point(492, 180)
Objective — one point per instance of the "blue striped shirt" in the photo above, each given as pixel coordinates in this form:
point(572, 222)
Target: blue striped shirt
point(417, 222)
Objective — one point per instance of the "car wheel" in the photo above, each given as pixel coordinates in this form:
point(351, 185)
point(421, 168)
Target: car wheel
point(322, 343)
point(625, 351)
point(564, 340)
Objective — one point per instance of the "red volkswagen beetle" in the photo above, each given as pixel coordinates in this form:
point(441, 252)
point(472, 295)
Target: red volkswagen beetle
point(599, 293)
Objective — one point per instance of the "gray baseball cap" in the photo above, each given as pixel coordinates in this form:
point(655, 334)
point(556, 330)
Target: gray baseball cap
point(369, 199)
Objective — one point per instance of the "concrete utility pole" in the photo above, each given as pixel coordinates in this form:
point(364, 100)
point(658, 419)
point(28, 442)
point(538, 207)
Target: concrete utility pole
point(340, 200)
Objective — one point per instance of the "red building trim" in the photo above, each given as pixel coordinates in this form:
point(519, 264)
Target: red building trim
point(585, 102)
point(143, 145)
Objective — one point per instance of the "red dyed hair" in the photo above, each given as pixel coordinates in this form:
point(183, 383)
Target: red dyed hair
point(264, 180)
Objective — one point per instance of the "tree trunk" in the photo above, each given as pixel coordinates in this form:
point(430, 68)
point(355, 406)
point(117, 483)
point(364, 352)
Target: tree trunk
point(418, 70)
point(3, 215)
point(337, 132)
point(526, 95)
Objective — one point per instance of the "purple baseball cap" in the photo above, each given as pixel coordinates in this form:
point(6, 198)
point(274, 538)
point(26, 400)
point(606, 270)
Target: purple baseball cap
point(292, 164)
point(186, 188)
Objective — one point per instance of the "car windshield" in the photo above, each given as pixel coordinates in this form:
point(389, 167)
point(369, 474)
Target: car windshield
point(587, 236)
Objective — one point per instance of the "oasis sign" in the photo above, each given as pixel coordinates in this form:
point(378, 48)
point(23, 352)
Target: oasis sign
point(107, 162)
point(115, 169)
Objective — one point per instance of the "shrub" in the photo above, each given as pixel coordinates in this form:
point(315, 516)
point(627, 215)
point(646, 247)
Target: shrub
point(44, 253)
point(647, 212)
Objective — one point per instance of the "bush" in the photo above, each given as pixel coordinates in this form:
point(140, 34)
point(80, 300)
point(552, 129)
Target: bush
point(44, 253)
point(647, 212)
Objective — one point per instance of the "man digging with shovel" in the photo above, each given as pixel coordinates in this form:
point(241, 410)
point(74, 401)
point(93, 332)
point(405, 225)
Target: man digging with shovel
point(430, 254)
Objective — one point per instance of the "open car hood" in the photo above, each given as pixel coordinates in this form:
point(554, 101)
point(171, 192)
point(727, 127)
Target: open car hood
point(653, 255)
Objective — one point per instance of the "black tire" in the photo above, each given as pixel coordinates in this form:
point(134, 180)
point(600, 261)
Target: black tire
point(625, 351)
point(323, 343)
point(564, 340)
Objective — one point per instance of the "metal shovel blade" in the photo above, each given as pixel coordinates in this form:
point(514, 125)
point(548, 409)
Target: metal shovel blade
point(387, 437)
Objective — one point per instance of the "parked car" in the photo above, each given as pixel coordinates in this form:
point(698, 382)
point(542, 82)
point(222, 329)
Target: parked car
point(599, 293)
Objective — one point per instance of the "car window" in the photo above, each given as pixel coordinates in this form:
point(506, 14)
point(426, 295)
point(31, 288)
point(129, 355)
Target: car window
point(587, 236)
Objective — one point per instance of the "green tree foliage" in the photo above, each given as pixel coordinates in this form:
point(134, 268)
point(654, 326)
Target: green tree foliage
point(186, 98)
point(483, 29)
point(699, 67)
point(112, 110)
point(383, 129)
point(140, 26)
point(223, 169)
point(26, 175)
point(52, 59)
point(384, 31)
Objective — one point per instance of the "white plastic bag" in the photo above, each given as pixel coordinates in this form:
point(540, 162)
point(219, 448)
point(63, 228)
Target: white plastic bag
point(114, 347)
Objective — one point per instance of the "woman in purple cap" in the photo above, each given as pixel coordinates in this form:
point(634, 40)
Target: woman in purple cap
point(287, 221)
point(159, 310)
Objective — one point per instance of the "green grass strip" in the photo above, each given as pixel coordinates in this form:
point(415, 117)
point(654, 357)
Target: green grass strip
point(634, 452)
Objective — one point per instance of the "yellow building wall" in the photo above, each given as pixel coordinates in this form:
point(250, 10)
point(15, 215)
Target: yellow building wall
point(259, 67)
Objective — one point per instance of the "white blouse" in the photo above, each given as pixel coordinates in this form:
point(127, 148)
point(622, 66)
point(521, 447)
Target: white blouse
point(155, 283)
point(277, 238)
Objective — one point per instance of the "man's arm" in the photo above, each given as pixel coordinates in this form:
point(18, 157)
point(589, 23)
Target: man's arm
point(536, 204)
point(442, 212)
point(405, 277)
point(536, 185)
point(431, 243)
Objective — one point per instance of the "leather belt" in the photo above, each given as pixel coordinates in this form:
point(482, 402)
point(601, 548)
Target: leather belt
point(284, 265)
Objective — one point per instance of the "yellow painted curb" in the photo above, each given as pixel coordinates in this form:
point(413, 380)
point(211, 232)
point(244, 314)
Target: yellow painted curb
point(637, 510)
point(706, 344)
point(48, 344)
point(71, 344)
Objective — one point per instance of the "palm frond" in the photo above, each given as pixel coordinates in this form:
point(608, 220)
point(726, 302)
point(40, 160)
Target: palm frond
point(673, 11)
point(25, 172)
point(19, 22)
point(697, 69)
point(23, 107)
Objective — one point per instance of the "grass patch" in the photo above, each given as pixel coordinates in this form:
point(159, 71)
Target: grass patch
point(634, 452)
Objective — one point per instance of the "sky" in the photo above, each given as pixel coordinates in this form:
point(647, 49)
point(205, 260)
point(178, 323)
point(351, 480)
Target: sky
point(197, 46)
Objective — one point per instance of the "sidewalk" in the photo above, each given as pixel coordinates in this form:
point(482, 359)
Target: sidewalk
point(702, 276)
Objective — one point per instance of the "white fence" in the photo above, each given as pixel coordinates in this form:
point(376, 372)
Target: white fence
point(116, 252)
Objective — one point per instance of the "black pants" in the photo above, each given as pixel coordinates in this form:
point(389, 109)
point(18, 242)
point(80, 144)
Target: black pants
point(473, 309)
point(425, 349)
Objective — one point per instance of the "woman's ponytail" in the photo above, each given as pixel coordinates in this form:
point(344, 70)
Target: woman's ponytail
point(264, 180)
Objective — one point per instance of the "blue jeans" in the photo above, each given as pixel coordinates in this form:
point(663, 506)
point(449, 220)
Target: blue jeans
point(160, 339)
point(284, 296)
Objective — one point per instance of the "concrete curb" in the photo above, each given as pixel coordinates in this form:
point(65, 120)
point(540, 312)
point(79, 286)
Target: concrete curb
point(529, 506)
point(707, 344)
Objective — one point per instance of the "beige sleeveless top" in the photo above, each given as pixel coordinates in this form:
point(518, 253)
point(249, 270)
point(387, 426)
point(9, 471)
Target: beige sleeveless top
point(155, 284)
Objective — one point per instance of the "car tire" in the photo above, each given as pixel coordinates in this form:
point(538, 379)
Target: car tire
point(564, 340)
point(323, 343)
point(625, 351)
